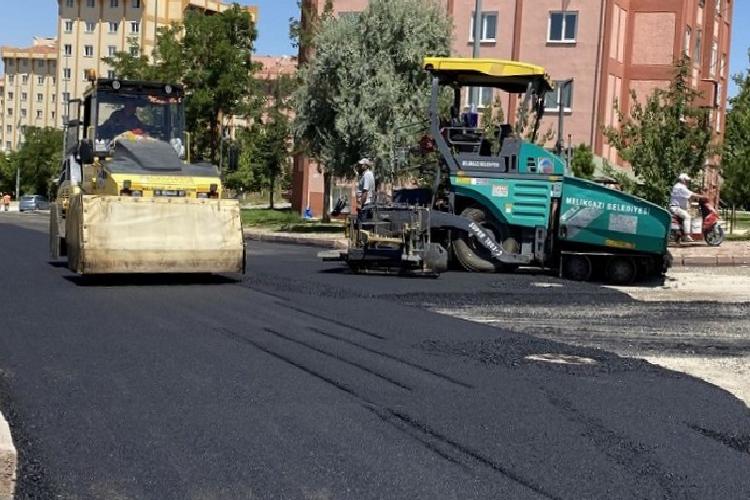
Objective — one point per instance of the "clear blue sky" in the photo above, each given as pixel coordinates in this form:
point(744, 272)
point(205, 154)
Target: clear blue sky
point(18, 25)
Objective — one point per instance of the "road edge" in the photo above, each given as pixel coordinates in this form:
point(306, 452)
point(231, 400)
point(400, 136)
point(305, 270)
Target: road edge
point(8, 461)
point(314, 241)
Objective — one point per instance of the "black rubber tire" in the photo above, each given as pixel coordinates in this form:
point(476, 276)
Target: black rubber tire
point(470, 259)
point(621, 270)
point(715, 236)
point(577, 267)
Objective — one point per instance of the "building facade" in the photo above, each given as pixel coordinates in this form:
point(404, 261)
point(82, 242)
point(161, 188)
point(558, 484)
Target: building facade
point(605, 48)
point(28, 92)
point(90, 30)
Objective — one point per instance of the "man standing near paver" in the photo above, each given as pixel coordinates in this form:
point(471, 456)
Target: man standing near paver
point(6, 201)
point(366, 185)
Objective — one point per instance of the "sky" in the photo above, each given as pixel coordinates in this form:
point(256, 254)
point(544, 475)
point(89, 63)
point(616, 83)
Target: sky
point(18, 26)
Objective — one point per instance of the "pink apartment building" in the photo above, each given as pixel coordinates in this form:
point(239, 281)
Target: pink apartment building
point(607, 47)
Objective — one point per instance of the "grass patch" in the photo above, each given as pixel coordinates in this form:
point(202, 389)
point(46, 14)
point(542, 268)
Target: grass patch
point(272, 219)
point(737, 237)
point(308, 227)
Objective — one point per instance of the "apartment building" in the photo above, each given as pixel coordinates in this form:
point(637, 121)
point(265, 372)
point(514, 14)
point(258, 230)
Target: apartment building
point(89, 30)
point(2, 113)
point(606, 47)
point(28, 95)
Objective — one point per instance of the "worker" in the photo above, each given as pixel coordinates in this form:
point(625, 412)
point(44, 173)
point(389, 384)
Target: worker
point(6, 201)
point(679, 203)
point(366, 185)
point(122, 120)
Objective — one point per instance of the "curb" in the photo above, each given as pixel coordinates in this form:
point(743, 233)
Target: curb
point(8, 461)
point(711, 261)
point(297, 240)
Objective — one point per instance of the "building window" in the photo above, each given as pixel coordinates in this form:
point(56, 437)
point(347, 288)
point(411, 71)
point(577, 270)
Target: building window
point(39, 97)
point(134, 51)
point(24, 96)
point(714, 59)
point(52, 113)
point(135, 27)
point(489, 27)
point(114, 3)
point(66, 96)
point(9, 129)
point(68, 49)
point(562, 27)
point(40, 80)
point(38, 115)
point(111, 74)
point(113, 27)
point(112, 50)
point(688, 36)
point(66, 73)
point(561, 93)
point(53, 98)
point(485, 97)
point(698, 52)
point(25, 80)
point(90, 27)
point(23, 112)
point(84, 75)
point(136, 4)
point(53, 81)
point(24, 62)
point(10, 96)
point(11, 78)
point(10, 112)
point(69, 3)
point(90, 3)
point(88, 50)
point(68, 26)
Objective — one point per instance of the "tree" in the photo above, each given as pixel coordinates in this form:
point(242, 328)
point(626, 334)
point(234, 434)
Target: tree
point(735, 164)
point(211, 57)
point(492, 117)
point(663, 136)
point(583, 162)
point(39, 159)
point(366, 82)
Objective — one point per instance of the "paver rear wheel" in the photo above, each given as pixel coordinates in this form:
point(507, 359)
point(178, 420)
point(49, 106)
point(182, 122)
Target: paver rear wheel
point(472, 255)
point(576, 267)
point(621, 270)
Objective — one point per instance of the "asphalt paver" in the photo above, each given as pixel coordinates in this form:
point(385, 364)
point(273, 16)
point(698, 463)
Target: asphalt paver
point(300, 380)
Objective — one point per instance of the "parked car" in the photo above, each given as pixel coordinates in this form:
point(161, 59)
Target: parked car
point(33, 202)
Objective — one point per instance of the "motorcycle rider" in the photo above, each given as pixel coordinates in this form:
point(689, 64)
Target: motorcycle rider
point(679, 203)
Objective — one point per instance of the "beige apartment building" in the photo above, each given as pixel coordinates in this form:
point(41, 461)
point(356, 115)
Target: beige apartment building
point(27, 93)
point(606, 47)
point(89, 30)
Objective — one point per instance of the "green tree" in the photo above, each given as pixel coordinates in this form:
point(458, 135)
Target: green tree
point(212, 57)
point(663, 136)
point(582, 162)
point(265, 146)
point(366, 82)
point(735, 164)
point(492, 117)
point(39, 159)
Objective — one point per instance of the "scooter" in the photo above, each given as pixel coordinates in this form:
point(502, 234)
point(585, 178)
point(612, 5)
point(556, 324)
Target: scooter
point(706, 228)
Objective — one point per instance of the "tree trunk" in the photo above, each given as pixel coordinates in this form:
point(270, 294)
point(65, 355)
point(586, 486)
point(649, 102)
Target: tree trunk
point(733, 219)
point(272, 184)
point(327, 188)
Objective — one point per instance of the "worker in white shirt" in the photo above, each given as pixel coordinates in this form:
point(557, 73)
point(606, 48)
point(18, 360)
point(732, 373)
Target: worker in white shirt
point(366, 185)
point(679, 203)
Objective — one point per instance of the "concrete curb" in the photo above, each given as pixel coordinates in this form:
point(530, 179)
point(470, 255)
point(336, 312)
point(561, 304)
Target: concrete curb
point(8, 461)
point(296, 239)
point(710, 260)
point(341, 243)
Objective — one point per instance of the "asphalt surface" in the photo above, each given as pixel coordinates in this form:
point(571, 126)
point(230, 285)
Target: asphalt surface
point(300, 380)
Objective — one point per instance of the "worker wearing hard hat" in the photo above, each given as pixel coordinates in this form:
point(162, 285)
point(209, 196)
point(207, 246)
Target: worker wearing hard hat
point(366, 184)
point(679, 203)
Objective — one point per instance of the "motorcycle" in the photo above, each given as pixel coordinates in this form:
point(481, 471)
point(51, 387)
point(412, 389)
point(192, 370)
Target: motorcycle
point(706, 227)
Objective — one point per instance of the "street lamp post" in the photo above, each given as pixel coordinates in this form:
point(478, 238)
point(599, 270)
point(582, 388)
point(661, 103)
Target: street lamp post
point(475, 51)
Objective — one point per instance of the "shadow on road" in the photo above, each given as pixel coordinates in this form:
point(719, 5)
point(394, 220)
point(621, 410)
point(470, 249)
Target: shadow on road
point(123, 280)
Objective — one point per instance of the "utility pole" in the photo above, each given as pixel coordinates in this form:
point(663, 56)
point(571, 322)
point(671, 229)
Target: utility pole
point(475, 52)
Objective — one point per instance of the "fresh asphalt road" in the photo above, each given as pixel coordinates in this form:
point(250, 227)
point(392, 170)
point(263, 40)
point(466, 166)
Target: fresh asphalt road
point(299, 380)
